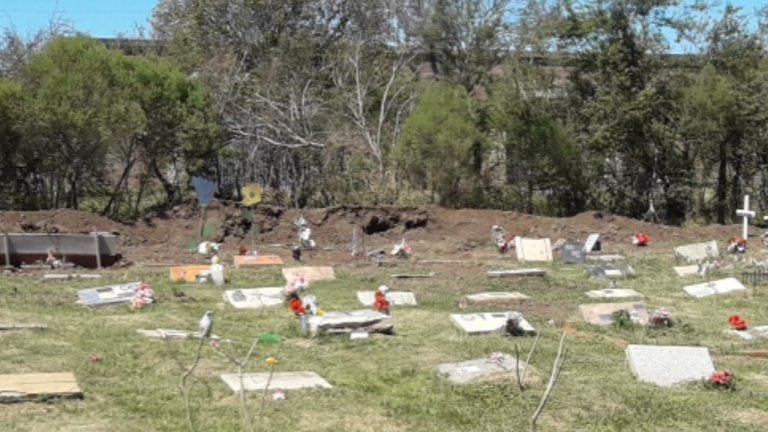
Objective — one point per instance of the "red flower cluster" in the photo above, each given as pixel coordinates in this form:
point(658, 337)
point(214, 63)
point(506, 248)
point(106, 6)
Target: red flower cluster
point(297, 306)
point(737, 322)
point(243, 250)
point(722, 378)
point(95, 358)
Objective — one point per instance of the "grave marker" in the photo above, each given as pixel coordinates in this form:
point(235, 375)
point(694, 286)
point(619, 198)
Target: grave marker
point(495, 297)
point(363, 320)
point(573, 253)
point(613, 293)
point(108, 295)
point(610, 271)
point(746, 214)
point(396, 298)
point(38, 386)
point(173, 334)
point(689, 270)
point(189, 273)
point(602, 313)
point(698, 251)
point(257, 260)
point(606, 257)
point(314, 274)
point(279, 381)
point(483, 370)
point(718, 287)
point(517, 272)
point(668, 366)
point(489, 322)
point(412, 276)
point(255, 298)
point(759, 332)
point(529, 249)
point(591, 242)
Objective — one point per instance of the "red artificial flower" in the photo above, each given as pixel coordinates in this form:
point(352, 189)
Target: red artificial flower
point(95, 357)
point(641, 239)
point(737, 322)
point(298, 307)
point(722, 378)
point(243, 250)
point(381, 303)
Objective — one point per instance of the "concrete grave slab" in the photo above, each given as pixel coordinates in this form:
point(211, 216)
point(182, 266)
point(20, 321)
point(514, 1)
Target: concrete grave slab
point(602, 313)
point(610, 271)
point(698, 251)
point(591, 242)
point(86, 250)
point(517, 272)
point(529, 249)
point(39, 386)
point(280, 381)
point(60, 277)
point(255, 298)
point(688, 270)
point(494, 297)
point(257, 260)
point(314, 274)
point(668, 366)
point(108, 295)
point(717, 287)
point(363, 320)
point(606, 258)
point(573, 253)
point(613, 293)
point(173, 334)
point(752, 333)
point(488, 322)
point(412, 276)
point(484, 370)
point(188, 273)
point(396, 298)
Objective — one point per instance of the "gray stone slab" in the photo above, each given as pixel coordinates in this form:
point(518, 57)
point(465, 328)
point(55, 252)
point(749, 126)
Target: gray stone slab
point(483, 370)
point(364, 320)
point(280, 381)
point(613, 293)
point(573, 253)
point(396, 298)
point(698, 251)
point(255, 298)
point(63, 277)
point(687, 270)
point(108, 295)
point(517, 272)
point(602, 313)
point(529, 249)
point(610, 271)
point(412, 276)
point(717, 287)
point(495, 297)
point(752, 333)
point(314, 274)
point(488, 322)
point(606, 258)
point(173, 334)
point(668, 366)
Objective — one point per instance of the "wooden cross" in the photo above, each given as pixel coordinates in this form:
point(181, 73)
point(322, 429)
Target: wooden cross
point(745, 213)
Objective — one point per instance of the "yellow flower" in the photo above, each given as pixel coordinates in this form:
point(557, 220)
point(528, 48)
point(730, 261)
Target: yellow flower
point(271, 361)
point(320, 312)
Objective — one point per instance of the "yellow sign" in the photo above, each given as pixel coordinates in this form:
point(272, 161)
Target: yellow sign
point(252, 194)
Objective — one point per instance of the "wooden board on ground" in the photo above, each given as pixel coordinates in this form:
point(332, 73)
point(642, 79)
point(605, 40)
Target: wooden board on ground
point(255, 298)
point(257, 260)
point(280, 381)
point(314, 274)
point(188, 273)
point(529, 249)
point(517, 272)
point(602, 313)
point(396, 298)
point(38, 386)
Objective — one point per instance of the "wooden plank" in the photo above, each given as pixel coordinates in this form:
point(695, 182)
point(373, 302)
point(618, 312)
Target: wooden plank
point(25, 387)
point(257, 260)
point(188, 273)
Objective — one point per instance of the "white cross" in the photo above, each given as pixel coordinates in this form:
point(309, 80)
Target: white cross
point(745, 213)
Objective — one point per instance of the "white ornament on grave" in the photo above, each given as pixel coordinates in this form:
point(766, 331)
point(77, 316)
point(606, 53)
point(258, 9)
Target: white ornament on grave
point(745, 214)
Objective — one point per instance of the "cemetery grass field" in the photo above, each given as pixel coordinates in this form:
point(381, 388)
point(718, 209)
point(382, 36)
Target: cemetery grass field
point(385, 383)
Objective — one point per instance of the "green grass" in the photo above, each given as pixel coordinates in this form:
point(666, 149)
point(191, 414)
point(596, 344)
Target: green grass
point(385, 383)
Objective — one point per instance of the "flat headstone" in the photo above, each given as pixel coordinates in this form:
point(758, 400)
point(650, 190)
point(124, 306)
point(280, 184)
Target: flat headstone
point(495, 297)
point(412, 276)
point(58, 277)
point(529, 249)
point(257, 260)
point(396, 298)
point(188, 273)
point(613, 293)
point(759, 332)
point(255, 298)
point(698, 251)
point(602, 313)
point(38, 386)
point(364, 320)
point(687, 270)
point(314, 274)
point(517, 272)
point(483, 370)
point(488, 322)
point(606, 257)
point(610, 271)
point(668, 366)
point(591, 241)
point(279, 381)
point(717, 287)
point(108, 295)
point(573, 253)
point(173, 334)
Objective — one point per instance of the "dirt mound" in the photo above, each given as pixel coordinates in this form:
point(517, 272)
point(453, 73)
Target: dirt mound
point(162, 237)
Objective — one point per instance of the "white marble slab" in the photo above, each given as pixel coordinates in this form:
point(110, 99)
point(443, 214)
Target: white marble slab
point(488, 322)
point(613, 293)
point(529, 249)
point(517, 272)
point(717, 287)
point(255, 298)
point(698, 251)
point(668, 366)
point(280, 381)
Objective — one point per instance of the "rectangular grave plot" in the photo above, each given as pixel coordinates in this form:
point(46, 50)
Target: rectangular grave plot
point(314, 274)
point(528, 249)
point(38, 387)
point(280, 381)
point(257, 260)
point(698, 251)
point(717, 287)
point(668, 366)
point(254, 298)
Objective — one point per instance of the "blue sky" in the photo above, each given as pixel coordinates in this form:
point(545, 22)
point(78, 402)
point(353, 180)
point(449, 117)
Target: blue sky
point(107, 18)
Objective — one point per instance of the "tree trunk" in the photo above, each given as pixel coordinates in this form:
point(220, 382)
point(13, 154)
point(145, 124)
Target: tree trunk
point(722, 182)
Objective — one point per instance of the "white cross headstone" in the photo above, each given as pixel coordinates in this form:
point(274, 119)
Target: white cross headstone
point(745, 213)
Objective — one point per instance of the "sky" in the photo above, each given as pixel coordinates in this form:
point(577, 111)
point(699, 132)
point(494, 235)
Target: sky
point(109, 18)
